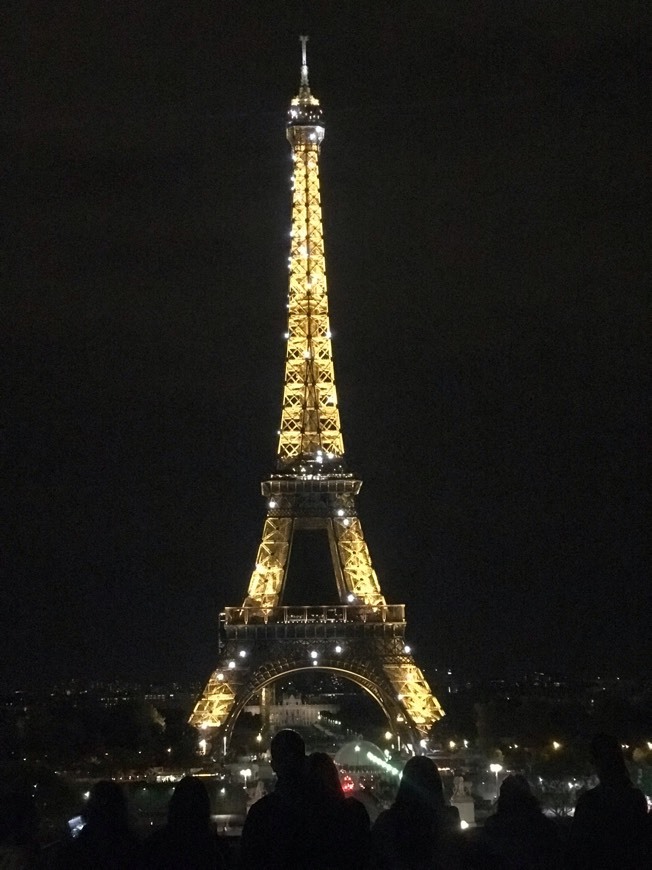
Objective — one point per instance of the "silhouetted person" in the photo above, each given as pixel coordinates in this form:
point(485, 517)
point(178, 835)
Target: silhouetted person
point(418, 832)
point(519, 835)
point(188, 841)
point(18, 844)
point(337, 827)
point(610, 828)
point(273, 836)
point(106, 841)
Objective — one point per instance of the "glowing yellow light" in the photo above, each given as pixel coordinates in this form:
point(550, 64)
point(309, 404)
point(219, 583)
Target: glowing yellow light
point(310, 428)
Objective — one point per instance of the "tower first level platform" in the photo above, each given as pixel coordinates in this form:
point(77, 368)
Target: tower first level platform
point(363, 643)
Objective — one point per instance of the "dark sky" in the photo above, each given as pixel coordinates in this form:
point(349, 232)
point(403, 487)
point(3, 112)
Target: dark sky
point(483, 179)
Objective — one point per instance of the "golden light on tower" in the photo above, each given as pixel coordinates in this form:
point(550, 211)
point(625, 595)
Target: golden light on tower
point(312, 489)
point(310, 420)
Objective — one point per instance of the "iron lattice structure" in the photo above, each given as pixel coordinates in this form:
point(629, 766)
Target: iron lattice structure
point(364, 637)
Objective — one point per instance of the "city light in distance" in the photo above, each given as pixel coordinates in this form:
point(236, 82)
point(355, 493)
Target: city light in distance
point(384, 764)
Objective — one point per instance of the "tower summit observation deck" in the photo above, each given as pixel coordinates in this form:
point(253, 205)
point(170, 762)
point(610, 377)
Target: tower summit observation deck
point(362, 638)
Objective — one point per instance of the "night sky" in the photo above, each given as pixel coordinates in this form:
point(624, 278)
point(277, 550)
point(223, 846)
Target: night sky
point(483, 188)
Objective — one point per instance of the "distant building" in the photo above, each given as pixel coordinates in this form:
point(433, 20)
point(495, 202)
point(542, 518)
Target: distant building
point(293, 711)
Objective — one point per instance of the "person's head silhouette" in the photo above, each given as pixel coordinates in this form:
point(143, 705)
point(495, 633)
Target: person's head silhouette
point(18, 821)
point(607, 756)
point(516, 795)
point(106, 807)
point(322, 778)
point(421, 783)
point(190, 807)
point(288, 754)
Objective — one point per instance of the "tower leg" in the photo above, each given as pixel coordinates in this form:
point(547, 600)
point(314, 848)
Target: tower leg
point(267, 701)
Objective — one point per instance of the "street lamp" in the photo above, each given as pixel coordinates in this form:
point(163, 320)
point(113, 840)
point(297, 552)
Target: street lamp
point(245, 774)
point(496, 769)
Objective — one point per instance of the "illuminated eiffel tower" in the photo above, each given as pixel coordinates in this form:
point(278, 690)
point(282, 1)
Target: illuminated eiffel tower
point(362, 638)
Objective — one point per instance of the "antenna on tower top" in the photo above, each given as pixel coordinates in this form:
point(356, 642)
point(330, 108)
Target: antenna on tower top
point(304, 63)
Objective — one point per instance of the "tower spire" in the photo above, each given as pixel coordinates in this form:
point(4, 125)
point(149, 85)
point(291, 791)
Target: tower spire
point(304, 63)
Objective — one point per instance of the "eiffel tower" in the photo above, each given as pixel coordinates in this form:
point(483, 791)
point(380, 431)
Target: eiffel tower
point(362, 638)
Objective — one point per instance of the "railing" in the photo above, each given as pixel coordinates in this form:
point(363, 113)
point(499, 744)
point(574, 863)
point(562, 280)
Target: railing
point(365, 613)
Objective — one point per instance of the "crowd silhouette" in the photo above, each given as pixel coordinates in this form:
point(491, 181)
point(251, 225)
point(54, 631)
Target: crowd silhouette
point(519, 834)
point(308, 823)
point(187, 840)
point(611, 825)
point(18, 831)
